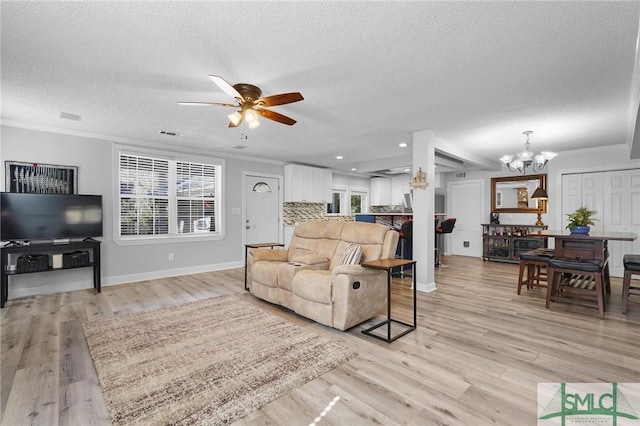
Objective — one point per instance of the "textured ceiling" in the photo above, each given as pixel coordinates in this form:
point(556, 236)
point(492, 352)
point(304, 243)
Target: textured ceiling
point(477, 74)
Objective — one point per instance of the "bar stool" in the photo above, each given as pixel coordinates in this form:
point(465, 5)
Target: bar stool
point(577, 281)
point(535, 262)
point(446, 227)
point(631, 267)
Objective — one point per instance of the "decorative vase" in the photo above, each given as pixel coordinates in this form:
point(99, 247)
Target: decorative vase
point(580, 229)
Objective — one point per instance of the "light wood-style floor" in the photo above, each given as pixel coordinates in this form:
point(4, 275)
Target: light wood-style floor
point(476, 357)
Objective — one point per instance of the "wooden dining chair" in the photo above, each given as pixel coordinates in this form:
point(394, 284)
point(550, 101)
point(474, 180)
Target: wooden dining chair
point(577, 281)
point(534, 264)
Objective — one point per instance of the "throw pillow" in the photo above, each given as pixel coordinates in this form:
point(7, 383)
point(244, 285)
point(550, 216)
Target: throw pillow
point(352, 255)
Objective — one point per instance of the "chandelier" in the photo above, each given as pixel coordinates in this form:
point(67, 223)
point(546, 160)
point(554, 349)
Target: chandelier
point(419, 181)
point(527, 158)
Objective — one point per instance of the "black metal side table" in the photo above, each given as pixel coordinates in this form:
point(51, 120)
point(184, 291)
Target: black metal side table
point(388, 265)
point(246, 251)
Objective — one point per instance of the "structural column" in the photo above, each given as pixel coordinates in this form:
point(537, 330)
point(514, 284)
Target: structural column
point(424, 210)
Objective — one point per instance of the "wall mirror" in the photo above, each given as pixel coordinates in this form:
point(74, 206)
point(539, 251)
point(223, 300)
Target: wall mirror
point(512, 194)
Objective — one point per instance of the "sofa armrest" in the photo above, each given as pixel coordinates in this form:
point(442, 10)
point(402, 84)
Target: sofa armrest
point(354, 270)
point(269, 255)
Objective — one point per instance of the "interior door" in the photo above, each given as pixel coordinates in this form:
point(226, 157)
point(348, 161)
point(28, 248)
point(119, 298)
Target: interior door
point(262, 221)
point(466, 238)
point(621, 214)
point(571, 194)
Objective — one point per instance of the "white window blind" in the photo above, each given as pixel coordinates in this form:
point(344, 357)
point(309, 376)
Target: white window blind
point(196, 197)
point(161, 197)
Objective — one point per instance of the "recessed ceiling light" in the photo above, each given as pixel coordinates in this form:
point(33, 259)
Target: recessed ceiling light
point(353, 169)
point(407, 170)
point(339, 157)
point(402, 145)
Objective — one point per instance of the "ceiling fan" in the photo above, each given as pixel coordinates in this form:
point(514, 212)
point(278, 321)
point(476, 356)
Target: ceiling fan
point(250, 104)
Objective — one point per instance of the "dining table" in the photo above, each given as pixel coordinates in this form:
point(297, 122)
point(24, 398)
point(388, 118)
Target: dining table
point(591, 246)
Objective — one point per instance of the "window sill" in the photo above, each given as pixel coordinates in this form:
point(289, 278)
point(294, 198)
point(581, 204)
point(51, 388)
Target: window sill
point(169, 239)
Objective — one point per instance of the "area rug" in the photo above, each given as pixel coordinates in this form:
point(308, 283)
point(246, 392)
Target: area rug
point(206, 362)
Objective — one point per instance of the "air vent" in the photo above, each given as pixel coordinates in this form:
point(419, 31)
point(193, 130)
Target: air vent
point(461, 175)
point(69, 116)
point(164, 132)
point(240, 146)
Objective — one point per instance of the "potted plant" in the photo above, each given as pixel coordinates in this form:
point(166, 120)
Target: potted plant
point(580, 220)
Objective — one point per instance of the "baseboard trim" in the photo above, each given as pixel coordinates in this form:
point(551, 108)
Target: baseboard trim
point(166, 273)
point(426, 288)
point(73, 282)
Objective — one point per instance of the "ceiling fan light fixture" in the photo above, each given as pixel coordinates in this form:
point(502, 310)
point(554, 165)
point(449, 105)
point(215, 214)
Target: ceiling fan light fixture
point(251, 104)
point(235, 118)
point(250, 115)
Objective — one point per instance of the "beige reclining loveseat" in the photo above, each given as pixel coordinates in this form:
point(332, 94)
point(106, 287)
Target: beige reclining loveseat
point(310, 279)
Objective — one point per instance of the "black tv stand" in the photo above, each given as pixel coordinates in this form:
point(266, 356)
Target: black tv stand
point(14, 244)
point(90, 239)
point(42, 248)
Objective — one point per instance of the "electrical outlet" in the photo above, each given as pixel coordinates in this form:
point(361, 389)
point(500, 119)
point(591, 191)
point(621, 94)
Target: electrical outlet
point(466, 244)
point(171, 257)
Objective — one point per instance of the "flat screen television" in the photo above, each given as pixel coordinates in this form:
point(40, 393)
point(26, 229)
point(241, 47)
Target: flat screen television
point(49, 216)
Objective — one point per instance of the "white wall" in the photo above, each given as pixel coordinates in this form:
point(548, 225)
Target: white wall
point(95, 176)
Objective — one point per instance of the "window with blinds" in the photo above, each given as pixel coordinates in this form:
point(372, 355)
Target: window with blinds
point(162, 197)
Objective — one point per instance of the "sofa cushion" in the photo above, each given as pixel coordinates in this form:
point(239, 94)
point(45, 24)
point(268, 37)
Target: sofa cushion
point(311, 259)
point(266, 273)
point(369, 236)
point(352, 255)
point(313, 285)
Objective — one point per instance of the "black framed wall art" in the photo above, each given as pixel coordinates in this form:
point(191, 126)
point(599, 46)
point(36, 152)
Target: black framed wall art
point(37, 178)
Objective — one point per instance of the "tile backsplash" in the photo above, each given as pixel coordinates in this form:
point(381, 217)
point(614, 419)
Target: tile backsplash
point(303, 212)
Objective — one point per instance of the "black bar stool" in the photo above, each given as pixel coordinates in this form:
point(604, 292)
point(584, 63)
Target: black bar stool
point(631, 267)
point(446, 227)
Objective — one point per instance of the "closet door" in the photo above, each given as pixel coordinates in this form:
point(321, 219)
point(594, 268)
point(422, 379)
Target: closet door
point(571, 194)
point(592, 196)
point(621, 214)
point(584, 189)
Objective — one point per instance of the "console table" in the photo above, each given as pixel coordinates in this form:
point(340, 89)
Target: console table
point(42, 248)
point(246, 251)
point(388, 265)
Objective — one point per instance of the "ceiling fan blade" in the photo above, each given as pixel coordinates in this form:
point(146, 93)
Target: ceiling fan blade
point(234, 125)
point(281, 99)
point(226, 87)
point(208, 103)
point(271, 115)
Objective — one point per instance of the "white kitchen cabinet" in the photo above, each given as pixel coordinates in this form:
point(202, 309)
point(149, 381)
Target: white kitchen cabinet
point(399, 187)
point(322, 185)
point(380, 191)
point(307, 184)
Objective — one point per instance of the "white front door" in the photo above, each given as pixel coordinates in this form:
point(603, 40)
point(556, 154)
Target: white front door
point(262, 222)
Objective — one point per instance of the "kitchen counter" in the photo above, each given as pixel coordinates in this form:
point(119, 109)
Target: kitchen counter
point(393, 220)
